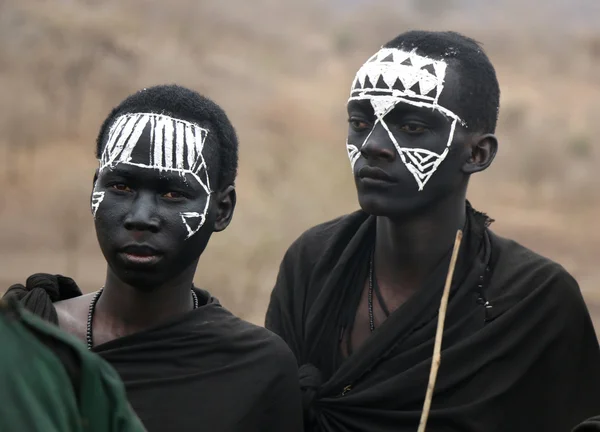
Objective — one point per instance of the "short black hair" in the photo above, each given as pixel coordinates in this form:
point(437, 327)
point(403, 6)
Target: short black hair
point(185, 104)
point(479, 94)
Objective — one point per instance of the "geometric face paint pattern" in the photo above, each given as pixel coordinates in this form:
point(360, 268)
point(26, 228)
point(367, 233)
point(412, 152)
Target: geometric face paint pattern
point(97, 198)
point(175, 145)
point(394, 76)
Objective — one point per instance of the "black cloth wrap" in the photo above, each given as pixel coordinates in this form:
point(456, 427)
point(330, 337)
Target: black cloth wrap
point(40, 291)
point(205, 367)
point(519, 349)
point(590, 425)
point(310, 382)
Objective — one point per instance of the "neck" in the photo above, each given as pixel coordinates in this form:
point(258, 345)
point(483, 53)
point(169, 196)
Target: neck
point(132, 309)
point(407, 250)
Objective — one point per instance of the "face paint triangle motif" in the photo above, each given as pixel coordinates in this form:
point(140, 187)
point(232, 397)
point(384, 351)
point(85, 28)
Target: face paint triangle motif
point(427, 83)
point(193, 221)
point(409, 76)
point(390, 77)
point(419, 61)
point(383, 105)
point(388, 58)
point(422, 164)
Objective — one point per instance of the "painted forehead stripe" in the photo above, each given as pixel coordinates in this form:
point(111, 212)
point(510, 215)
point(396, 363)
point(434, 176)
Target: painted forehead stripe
point(391, 68)
point(175, 144)
point(392, 75)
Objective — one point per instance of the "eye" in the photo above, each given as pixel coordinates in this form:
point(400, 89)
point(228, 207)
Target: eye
point(358, 125)
point(413, 128)
point(121, 187)
point(173, 195)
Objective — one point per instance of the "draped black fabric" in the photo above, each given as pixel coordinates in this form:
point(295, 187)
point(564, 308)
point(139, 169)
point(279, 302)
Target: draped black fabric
point(206, 370)
point(519, 350)
point(591, 425)
point(40, 291)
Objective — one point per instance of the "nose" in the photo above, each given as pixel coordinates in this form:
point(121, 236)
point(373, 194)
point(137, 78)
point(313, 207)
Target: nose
point(142, 216)
point(379, 146)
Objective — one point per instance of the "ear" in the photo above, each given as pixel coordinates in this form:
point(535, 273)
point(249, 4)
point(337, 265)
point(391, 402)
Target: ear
point(483, 150)
point(225, 204)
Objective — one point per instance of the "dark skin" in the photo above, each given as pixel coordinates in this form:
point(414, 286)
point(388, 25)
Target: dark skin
point(414, 229)
point(143, 206)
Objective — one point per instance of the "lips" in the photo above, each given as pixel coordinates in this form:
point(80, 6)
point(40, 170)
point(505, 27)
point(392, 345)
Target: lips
point(140, 250)
point(137, 254)
point(375, 174)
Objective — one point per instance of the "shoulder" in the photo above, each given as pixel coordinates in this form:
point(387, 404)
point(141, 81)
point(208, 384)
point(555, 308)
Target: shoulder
point(277, 360)
point(518, 260)
point(66, 347)
point(310, 258)
point(277, 352)
point(314, 241)
point(325, 231)
point(257, 343)
point(275, 348)
point(520, 272)
point(590, 425)
point(72, 315)
point(63, 362)
point(313, 254)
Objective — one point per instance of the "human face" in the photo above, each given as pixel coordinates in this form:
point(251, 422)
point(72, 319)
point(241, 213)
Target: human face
point(152, 198)
point(402, 126)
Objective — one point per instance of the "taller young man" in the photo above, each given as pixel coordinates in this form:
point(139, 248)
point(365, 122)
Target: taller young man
point(165, 182)
point(357, 298)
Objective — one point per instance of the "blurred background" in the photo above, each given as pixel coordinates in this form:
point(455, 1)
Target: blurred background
point(282, 70)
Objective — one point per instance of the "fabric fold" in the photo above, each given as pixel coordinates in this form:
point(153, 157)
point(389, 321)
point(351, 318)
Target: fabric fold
point(517, 328)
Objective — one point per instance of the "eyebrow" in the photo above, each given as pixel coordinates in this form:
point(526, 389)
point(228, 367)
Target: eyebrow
point(162, 177)
point(361, 105)
point(122, 170)
point(174, 179)
point(364, 106)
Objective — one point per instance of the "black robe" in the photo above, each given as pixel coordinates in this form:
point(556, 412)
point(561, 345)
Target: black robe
point(206, 370)
point(519, 351)
point(590, 425)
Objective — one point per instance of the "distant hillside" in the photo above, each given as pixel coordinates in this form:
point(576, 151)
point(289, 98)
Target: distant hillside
point(560, 14)
point(282, 70)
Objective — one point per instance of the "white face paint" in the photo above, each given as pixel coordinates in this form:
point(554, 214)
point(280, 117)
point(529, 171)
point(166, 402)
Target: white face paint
point(97, 198)
point(390, 77)
point(175, 145)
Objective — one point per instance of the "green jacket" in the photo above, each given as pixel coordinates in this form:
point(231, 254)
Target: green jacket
point(50, 382)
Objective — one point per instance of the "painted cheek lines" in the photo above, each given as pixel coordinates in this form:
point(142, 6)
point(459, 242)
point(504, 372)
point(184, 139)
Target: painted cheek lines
point(421, 163)
point(175, 145)
point(186, 217)
point(392, 76)
point(97, 198)
point(353, 153)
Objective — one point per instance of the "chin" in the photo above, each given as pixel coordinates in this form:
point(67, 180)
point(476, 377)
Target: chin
point(143, 280)
point(394, 206)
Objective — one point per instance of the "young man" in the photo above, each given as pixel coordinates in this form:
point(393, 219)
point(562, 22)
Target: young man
point(357, 298)
point(51, 383)
point(165, 183)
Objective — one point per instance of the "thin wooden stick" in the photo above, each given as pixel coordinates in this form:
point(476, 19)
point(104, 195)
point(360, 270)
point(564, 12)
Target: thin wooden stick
point(437, 347)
